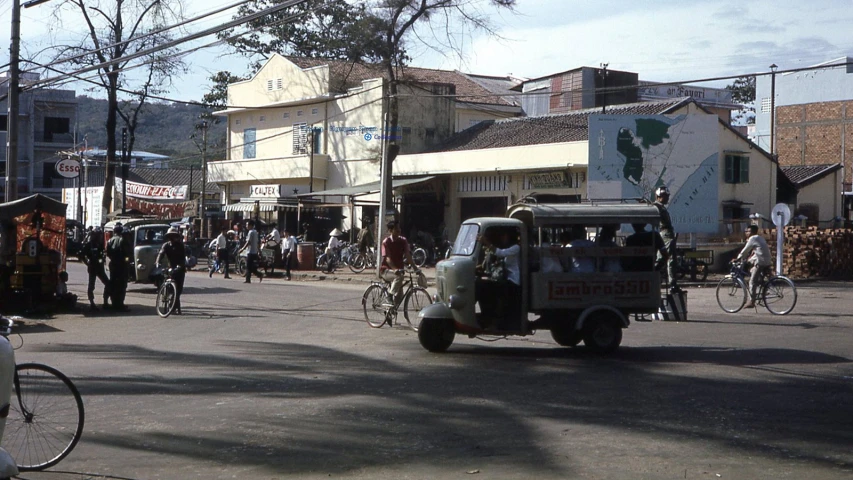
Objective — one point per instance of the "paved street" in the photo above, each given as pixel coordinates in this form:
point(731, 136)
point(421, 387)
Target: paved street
point(286, 380)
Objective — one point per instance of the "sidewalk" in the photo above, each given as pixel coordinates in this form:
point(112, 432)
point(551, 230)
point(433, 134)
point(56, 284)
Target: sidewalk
point(342, 275)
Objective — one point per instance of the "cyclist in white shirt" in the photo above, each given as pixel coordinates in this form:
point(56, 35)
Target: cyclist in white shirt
point(757, 255)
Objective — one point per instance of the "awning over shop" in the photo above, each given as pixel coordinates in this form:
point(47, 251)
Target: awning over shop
point(267, 205)
point(365, 189)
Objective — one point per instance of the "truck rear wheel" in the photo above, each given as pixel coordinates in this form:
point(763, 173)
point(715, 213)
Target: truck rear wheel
point(602, 333)
point(566, 335)
point(436, 334)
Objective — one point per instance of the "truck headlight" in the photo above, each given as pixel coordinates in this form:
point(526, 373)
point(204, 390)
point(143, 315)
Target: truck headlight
point(456, 302)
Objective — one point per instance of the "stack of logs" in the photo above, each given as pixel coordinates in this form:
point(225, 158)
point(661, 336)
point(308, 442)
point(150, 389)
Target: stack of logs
point(811, 252)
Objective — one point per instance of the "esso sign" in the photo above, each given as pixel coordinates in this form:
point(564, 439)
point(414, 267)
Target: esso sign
point(68, 168)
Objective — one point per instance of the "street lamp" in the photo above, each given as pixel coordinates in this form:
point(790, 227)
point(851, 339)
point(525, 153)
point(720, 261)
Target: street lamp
point(773, 68)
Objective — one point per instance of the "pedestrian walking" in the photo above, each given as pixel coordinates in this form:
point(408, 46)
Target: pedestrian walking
point(252, 249)
point(176, 254)
point(94, 252)
point(222, 260)
point(288, 252)
point(119, 251)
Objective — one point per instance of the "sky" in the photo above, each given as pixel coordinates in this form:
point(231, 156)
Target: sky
point(661, 40)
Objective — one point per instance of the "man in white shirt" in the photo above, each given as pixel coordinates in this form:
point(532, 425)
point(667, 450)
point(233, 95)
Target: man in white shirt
point(757, 255)
point(288, 251)
point(221, 246)
point(252, 250)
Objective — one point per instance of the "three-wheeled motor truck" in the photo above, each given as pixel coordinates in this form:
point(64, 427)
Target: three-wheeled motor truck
point(585, 292)
point(146, 236)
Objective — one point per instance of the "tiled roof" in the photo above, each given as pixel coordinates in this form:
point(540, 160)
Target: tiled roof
point(802, 175)
point(566, 127)
point(346, 75)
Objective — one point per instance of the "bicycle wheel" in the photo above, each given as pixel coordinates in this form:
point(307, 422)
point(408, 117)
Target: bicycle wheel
point(357, 263)
point(416, 300)
point(375, 305)
point(45, 417)
point(419, 256)
point(242, 266)
point(779, 295)
point(166, 299)
point(731, 294)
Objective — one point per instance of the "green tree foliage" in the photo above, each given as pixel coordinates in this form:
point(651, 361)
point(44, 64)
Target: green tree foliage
point(164, 128)
point(743, 92)
point(217, 97)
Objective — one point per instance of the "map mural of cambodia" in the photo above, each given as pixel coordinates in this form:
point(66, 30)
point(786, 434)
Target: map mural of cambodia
point(631, 155)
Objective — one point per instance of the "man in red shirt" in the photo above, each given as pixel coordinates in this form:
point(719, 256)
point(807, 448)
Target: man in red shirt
point(395, 249)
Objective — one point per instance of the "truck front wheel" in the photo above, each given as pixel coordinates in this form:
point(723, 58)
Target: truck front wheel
point(566, 335)
point(436, 334)
point(602, 333)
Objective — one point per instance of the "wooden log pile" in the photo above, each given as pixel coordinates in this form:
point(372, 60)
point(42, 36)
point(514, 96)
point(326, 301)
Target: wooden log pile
point(810, 252)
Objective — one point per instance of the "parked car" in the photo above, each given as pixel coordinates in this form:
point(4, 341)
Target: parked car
point(75, 233)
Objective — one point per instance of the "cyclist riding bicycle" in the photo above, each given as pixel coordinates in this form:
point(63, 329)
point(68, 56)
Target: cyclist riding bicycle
point(175, 253)
point(395, 249)
point(758, 257)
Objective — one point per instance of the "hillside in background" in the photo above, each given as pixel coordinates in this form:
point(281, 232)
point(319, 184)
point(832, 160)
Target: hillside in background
point(164, 128)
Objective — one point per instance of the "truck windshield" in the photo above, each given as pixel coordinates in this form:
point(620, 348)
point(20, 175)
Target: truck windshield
point(466, 240)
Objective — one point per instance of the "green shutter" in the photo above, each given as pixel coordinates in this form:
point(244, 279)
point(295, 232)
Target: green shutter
point(729, 169)
point(744, 170)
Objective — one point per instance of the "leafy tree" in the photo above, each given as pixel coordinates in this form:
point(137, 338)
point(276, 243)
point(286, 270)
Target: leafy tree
point(743, 92)
point(217, 97)
point(116, 29)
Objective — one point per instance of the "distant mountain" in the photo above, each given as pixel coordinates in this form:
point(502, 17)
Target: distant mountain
point(164, 128)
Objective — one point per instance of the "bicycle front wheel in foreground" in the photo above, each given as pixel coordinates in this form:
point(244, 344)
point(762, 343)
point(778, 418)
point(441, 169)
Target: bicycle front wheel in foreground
point(374, 304)
point(779, 295)
point(45, 418)
point(166, 299)
point(731, 294)
point(415, 302)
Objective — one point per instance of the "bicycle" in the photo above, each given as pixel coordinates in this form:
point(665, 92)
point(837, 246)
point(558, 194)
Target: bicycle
point(167, 294)
point(361, 261)
point(379, 307)
point(776, 292)
point(46, 414)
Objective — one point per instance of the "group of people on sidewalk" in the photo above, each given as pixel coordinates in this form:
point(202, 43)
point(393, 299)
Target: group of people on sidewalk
point(252, 248)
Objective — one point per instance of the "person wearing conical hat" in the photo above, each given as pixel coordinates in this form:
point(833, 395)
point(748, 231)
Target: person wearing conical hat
point(175, 253)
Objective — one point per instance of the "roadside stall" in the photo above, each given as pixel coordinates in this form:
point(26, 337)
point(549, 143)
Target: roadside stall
point(32, 250)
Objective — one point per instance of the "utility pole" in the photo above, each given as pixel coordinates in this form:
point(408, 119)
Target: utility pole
point(201, 211)
point(14, 101)
point(773, 68)
point(604, 87)
point(14, 107)
point(125, 169)
point(311, 160)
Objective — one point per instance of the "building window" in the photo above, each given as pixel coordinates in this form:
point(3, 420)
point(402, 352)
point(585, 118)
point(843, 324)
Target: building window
point(315, 111)
point(278, 84)
point(299, 113)
point(237, 122)
point(3, 123)
point(286, 115)
point(269, 85)
point(57, 129)
point(262, 118)
point(249, 138)
point(737, 169)
point(48, 173)
point(407, 136)
point(765, 105)
point(300, 138)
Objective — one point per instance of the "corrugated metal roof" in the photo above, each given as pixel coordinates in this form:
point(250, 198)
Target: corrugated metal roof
point(151, 176)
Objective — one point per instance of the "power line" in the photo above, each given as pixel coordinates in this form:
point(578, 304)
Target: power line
point(210, 31)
